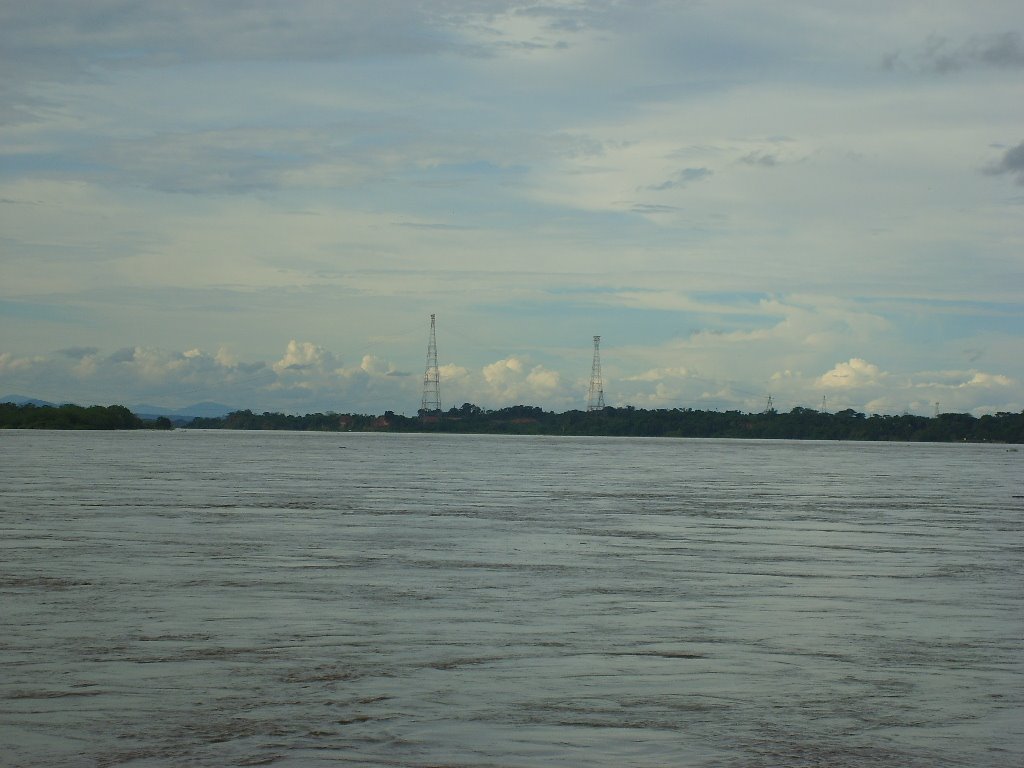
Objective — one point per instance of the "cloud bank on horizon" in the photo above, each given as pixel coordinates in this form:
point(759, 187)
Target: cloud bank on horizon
point(262, 204)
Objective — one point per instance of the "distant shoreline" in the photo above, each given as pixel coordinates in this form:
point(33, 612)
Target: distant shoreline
point(798, 424)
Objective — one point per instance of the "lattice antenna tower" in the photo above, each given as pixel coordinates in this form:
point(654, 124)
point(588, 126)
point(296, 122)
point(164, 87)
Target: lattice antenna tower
point(431, 376)
point(595, 397)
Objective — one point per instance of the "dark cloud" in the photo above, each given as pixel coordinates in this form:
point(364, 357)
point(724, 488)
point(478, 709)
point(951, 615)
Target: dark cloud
point(694, 174)
point(246, 159)
point(240, 160)
point(12, 201)
point(77, 353)
point(1004, 50)
point(60, 39)
point(760, 159)
point(434, 226)
point(643, 208)
point(1012, 163)
point(891, 61)
point(580, 17)
point(123, 355)
point(974, 354)
point(682, 178)
point(118, 32)
point(211, 161)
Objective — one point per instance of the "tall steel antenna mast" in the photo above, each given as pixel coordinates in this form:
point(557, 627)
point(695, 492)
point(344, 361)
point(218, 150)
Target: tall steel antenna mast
point(431, 377)
point(595, 397)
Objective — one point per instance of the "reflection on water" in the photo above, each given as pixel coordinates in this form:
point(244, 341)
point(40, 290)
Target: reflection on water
point(385, 600)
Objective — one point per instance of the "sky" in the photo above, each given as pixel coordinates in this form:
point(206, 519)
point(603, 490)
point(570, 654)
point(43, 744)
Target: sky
point(261, 203)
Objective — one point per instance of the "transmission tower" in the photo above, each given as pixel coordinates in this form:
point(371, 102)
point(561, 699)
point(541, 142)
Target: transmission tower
point(769, 405)
point(595, 397)
point(431, 377)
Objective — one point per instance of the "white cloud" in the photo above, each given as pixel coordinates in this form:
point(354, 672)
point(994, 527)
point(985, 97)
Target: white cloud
point(543, 381)
point(501, 372)
point(174, 379)
point(988, 380)
point(659, 374)
point(300, 355)
point(451, 372)
point(225, 358)
point(512, 381)
point(855, 373)
point(375, 366)
point(87, 366)
point(12, 363)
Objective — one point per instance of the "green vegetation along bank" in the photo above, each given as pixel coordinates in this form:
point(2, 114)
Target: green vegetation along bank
point(798, 424)
point(30, 416)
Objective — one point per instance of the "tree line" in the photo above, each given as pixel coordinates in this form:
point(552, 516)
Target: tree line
point(797, 424)
point(69, 416)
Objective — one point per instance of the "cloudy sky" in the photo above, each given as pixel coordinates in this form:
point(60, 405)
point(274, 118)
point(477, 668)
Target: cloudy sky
point(261, 203)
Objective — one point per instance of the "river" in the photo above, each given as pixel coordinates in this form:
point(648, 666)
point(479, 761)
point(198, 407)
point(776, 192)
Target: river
point(209, 598)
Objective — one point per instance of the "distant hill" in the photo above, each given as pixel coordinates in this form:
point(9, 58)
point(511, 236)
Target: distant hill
point(22, 400)
point(205, 410)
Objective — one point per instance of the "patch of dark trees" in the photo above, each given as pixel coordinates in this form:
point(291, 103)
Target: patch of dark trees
point(31, 416)
point(797, 424)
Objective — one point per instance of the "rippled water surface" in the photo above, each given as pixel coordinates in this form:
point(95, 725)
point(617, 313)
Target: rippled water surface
point(291, 599)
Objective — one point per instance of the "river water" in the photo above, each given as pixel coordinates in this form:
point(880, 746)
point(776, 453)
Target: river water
point(298, 599)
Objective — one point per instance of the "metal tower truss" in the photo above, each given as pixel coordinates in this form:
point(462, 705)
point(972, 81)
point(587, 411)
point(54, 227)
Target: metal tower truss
point(431, 377)
point(595, 396)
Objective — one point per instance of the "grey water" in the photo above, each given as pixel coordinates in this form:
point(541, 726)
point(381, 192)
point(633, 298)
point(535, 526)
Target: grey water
point(297, 599)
